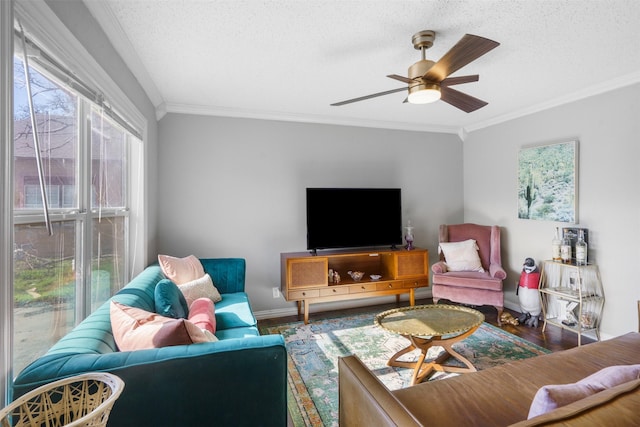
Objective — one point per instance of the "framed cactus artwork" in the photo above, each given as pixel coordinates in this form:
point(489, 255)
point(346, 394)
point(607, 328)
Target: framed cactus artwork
point(548, 182)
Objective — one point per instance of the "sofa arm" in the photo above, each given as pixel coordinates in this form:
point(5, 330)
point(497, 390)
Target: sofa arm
point(227, 381)
point(365, 401)
point(439, 267)
point(497, 272)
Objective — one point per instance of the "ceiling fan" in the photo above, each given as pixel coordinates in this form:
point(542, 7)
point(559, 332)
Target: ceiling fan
point(428, 81)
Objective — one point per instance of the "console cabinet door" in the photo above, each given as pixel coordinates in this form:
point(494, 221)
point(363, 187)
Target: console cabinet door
point(411, 264)
point(307, 272)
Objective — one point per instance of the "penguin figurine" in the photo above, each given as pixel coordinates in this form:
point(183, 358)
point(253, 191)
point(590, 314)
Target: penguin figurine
point(528, 293)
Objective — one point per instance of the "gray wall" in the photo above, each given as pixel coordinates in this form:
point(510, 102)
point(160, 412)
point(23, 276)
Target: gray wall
point(607, 127)
point(236, 187)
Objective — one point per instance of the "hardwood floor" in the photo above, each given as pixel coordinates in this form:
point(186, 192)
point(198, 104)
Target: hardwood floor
point(554, 338)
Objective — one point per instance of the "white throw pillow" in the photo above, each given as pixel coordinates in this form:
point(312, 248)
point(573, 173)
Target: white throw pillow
point(461, 256)
point(200, 288)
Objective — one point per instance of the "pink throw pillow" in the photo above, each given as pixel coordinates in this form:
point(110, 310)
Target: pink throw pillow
point(202, 314)
point(181, 270)
point(137, 329)
point(551, 397)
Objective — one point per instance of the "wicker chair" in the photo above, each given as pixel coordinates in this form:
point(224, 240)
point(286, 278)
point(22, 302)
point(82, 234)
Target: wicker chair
point(80, 401)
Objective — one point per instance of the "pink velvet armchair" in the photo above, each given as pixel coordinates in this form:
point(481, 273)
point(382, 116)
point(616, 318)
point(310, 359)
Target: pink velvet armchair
point(471, 287)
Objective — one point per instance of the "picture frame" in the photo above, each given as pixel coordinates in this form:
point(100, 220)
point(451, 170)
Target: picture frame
point(548, 182)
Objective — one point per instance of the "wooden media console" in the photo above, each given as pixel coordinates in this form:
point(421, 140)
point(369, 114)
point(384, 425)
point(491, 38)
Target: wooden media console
point(305, 276)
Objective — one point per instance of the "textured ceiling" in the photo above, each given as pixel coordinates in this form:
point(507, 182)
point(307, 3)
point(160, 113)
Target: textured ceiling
point(290, 59)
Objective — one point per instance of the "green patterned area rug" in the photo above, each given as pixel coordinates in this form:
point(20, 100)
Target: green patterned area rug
point(313, 352)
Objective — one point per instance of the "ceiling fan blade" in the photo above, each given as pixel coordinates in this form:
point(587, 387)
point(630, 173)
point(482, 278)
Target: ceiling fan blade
point(466, 103)
point(401, 78)
point(459, 80)
point(373, 95)
point(468, 49)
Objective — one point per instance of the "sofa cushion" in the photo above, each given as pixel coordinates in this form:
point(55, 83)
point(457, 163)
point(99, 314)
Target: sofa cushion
point(234, 311)
point(462, 256)
point(137, 329)
point(181, 270)
point(170, 302)
point(551, 397)
point(243, 332)
point(199, 288)
point(202, 314)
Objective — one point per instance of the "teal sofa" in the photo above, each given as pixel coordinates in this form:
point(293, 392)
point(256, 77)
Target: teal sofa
point(240, 380)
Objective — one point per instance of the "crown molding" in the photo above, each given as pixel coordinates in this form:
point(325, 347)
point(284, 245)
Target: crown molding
point(106, 18)
point(461, 132)
point(300, 118)
point(608, 86)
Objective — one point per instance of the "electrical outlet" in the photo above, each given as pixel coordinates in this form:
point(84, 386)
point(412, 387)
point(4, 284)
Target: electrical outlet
point(276, 292)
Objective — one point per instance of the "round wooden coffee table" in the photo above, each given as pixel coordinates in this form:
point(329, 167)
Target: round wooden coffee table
point(426, 326)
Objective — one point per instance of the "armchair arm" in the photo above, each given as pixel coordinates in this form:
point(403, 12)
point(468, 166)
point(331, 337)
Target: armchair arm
point(439, 267)
point(497, 272)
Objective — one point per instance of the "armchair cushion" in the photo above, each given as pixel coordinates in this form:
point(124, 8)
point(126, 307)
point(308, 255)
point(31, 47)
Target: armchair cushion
point(470, 279)
point(461, 256)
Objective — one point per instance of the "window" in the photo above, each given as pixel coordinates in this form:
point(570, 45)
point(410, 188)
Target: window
point(84, 164)
point(49, 283)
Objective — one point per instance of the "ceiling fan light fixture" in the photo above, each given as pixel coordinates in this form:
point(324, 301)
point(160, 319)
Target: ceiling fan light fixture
point(424, 93)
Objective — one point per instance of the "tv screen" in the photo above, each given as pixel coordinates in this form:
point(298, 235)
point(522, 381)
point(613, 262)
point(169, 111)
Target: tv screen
point(353, 217)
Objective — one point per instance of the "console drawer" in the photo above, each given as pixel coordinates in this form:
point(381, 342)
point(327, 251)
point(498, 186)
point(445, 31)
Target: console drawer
point(362, 287)
point(385, 286)
point(309, 293)
point(416, 283)
point(334, 290)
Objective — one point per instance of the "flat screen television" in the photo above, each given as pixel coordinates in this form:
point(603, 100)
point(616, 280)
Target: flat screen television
point(353, 217)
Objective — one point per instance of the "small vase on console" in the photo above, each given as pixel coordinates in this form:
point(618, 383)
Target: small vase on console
point(408, 237)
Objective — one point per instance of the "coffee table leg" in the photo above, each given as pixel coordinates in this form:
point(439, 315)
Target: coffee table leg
point(393, 361)
point(447, 345)
point(421, 368)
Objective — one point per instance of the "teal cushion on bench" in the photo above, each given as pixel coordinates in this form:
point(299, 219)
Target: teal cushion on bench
point(234, 311)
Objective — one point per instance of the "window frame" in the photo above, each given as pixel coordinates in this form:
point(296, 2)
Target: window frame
point(83, 214)
point(47, 29)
